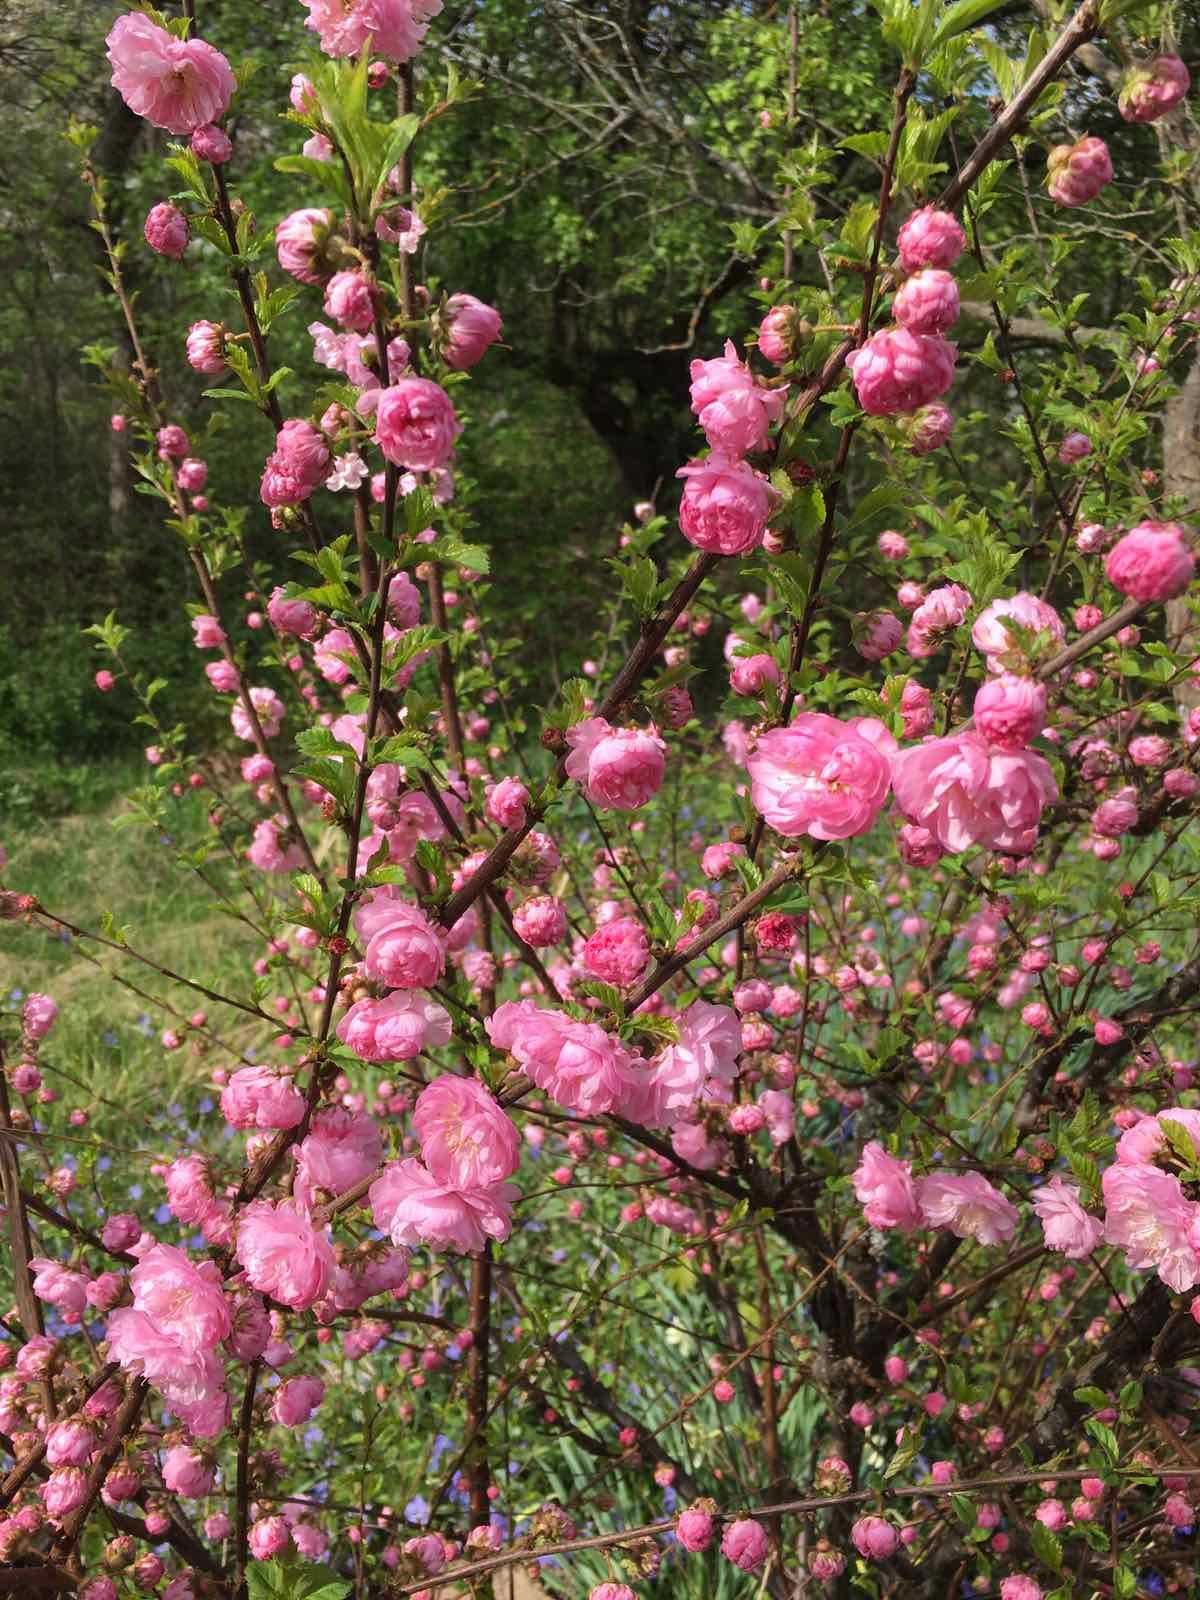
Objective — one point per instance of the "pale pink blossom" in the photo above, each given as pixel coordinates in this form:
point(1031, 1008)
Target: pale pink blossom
point(394, 28)
point(259, 1097)
point(341, 1148)
point(965, 793)
point(966, 1205)
point(466, 1139)
point(1066, 1226)
point(177, 84)
point(412, 1207)
point(886, 1189)
point(397, 1028)
point(990, 635)
point(818, 776)
point(285, 1256)
point(1148, 1216)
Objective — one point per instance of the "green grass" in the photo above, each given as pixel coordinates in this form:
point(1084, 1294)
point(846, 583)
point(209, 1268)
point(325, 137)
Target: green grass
point(57, 827)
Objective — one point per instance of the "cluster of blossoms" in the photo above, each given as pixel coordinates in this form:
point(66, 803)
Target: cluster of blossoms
point(697, 1054)
point(905, 369)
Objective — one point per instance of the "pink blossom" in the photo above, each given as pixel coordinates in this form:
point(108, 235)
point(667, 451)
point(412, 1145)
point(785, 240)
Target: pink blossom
point(966, 1205)
point(395, 28)
point(350, 301)
point(929, 428)
point(617, 952)
point(470, 327)
point(466, 1139)
point(403, 948)
point(212, 144)
point(892, 546)
point(297, 466)
point(63, 1491)
point(818, 776)
point(284, 1255)
point(413, 1207)
point(990, 635)
point(1075, 447)
point(296, 1400)
point(965, 793)
point(1153, 561)
point(916, 707)
point(1010, 710)
point(1066, 1226)
point(182, 1298)
point(415, 425)
point(541, 921)
point(930, 238)
point(896, 370)
point(192, 474)
point(876, 634)
point(1116, 814)
point(298, 618)
point(272, 848)
point(189, 1188)
point(694, 1529)
point(620, 768)
point(258, 1097)
point(745, 1543)
point(1153, 88)
point(267, 1537)
point(507, 802)
point(1020, 1587)
point(734, 410)
point(187, 1472)
point(577, 1062)
point(166, 230)
point(300, 244)
point(726, 504)
point(1148, 1216)
point(874, 1538)
point(1149, 750)
point(38, 1015)
point(177, 84)
point(927, 302)
point(886, 1190)
point(341, 1148)
point(937, 614)
point(59, 1286)
point(1076, 173)
point(750, 675)
point(397, 1028)
point(779, 334)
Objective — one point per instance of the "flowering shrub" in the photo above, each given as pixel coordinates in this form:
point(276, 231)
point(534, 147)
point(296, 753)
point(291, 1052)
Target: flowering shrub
point(752, 1139)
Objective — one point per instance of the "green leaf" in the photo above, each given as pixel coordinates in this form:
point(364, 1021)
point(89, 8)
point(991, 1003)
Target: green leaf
point(962, 15)
point(1095, 1399)
point(1181, 1142)
point(1104, 1437)
point(1046, 1546)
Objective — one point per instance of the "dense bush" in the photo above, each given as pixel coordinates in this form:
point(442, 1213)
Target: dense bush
point(694, 1089)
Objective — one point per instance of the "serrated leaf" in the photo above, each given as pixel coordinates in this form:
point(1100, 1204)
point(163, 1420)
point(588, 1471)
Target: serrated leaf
point(1046, 1546)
